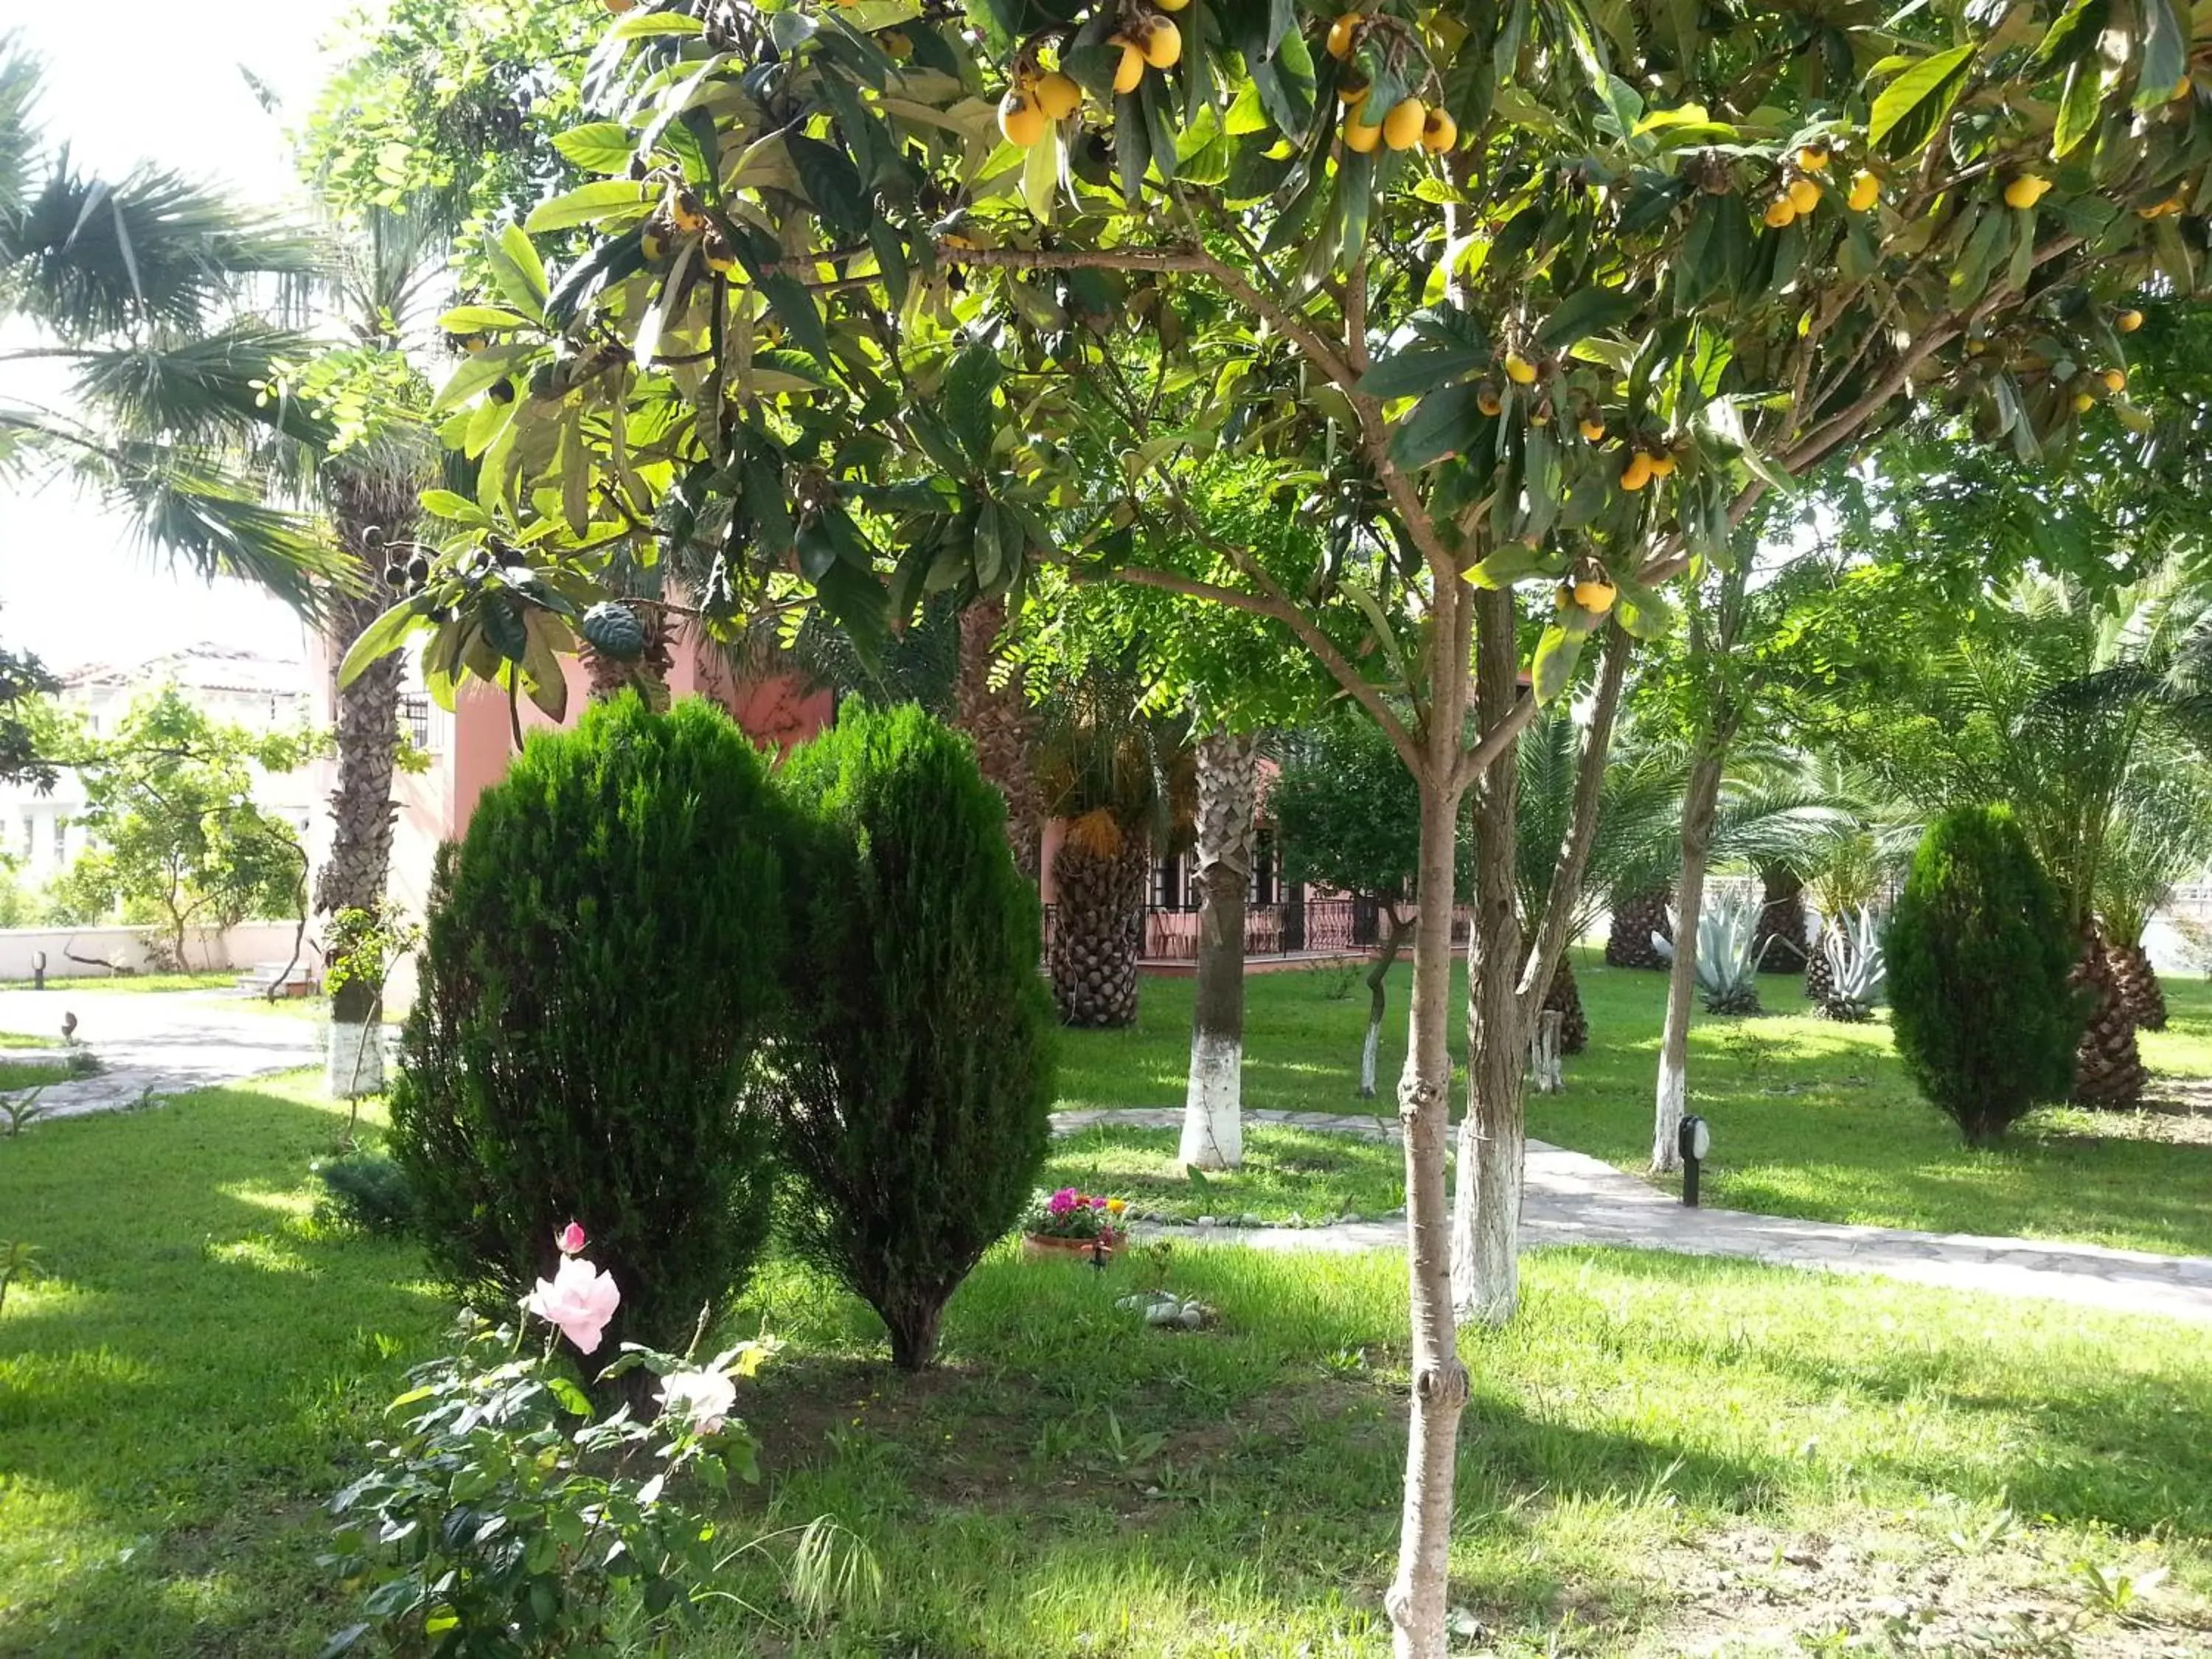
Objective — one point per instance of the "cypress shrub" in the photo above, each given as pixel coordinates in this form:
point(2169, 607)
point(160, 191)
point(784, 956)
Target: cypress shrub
point(602, 959)
point(914, 1101)
point(1979, 957)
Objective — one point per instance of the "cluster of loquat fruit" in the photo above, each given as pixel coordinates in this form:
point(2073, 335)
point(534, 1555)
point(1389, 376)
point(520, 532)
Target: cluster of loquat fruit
point(1038, 97)
point(1406, 123)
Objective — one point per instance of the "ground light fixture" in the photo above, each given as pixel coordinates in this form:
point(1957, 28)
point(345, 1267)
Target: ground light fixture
point(1693, 1140)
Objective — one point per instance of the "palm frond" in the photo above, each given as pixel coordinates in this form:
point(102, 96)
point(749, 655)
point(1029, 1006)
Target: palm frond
point(19, 132)
point(201, 388)
point(85, 258)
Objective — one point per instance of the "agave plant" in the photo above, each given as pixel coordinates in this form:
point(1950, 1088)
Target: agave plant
point(1728, 953)
point(1850, 947)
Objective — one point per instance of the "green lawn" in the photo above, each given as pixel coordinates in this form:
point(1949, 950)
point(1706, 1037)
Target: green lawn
point(1810, 1118)
point(1661, 1449)
point(1286, 1173)
point(32, 1073)
point(210, 979)
point(26, 1040)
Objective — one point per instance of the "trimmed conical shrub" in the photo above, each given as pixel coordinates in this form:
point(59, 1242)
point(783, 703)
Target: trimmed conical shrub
point(914, 1099)
point(603, 959)
point(1978, 959)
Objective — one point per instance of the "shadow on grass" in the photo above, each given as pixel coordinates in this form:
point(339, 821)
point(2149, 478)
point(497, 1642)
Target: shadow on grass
point(190, 1379)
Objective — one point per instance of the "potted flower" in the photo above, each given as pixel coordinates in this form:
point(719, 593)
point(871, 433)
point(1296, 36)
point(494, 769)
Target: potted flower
point(1069, 1222)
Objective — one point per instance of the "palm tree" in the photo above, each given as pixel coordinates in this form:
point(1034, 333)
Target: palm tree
point(140, 293)
point(2159, 836)
point(1114, 773)
point(2066, 712)
point(1775, 811)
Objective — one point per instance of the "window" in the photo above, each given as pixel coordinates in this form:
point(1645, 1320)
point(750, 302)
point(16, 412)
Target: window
point(30, 835)
point(1265, 869)
point(61, 839)
point(415, 718)
point(1166, 885)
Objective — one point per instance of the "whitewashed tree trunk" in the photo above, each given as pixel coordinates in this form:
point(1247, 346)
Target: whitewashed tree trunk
point(353, 1062)
point(1699, 802)
point(1228, 789)
point(1492, 1143)
point(1544, 1062)
point(1379, 980)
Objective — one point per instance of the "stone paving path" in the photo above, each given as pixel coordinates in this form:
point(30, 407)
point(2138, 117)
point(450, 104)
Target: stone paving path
point(163, 1042)
point(1572, 1199)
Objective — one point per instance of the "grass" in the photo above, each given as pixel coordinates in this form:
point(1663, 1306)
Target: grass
point(1810, 1119)
point(1658, 1448)
point(1287, 1173)
point(33, 1073)
point(26, 1040)
point(210, 979)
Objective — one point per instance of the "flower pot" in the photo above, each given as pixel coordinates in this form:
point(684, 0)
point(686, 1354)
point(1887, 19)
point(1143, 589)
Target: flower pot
point(1041, 1244)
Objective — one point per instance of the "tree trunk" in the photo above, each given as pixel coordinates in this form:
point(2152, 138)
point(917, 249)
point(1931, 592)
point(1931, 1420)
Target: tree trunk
point(1778, 938)
point(1699, 802)
point(371, 512)
point(1418, 1599)
point(1637, 916)
point(1564, 999)
point(1098, 924)
point(2108, 1069)
point(1486, 1225)
point(2140, 990)
point(1378, 979)
point(1228, 789)
point(989, 705)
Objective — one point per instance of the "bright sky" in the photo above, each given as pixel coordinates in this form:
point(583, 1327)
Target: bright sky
point(126, 81)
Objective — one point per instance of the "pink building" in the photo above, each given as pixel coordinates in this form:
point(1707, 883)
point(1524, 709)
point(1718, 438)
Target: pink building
point(469, 748)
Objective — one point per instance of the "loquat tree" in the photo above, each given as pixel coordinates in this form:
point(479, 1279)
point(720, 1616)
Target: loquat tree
point(1511, 294)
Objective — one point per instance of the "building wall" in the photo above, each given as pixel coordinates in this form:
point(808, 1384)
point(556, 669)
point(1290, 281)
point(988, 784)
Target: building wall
point(470, 747)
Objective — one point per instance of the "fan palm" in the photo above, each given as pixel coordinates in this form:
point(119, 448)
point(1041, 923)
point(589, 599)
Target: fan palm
point(132, 290)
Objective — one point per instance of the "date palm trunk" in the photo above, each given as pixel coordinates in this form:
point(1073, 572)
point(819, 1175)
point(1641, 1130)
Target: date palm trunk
point(369, 510)
point(990, 705)
point(1700, 804)
point(1228, 791)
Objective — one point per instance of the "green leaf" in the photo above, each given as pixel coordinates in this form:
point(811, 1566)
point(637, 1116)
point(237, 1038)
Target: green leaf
point(591, 205)
point(2164, 54)
point(1557, 654)
point(639, 24)
point(448, 504)
point(1442, 424)
point(467, 319)
point(832, 183)
point(379, 639)
point(597, 146)
point(484, 369)
point(1421, 368)
point(2069, 38)
point(1586, 311)
point(1922, 94)
point(516, 268)
point(2082, 102)
point(966, 405)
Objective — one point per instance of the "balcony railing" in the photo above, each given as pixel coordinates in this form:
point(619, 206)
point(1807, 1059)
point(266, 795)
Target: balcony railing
point(1295, 927)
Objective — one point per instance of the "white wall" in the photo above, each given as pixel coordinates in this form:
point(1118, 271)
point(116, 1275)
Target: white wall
point(241, 947)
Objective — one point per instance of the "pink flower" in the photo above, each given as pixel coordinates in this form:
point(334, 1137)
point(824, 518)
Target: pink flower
point(1063, 1202)
point(1095, 1203)
point(570, 1239)
point(701, 1400)
point(579, 1299)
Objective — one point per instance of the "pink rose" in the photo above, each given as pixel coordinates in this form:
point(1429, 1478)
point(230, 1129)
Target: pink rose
point(1062, 1201)
point(701, 1400)
point(569, 1240)
point(579, 1299)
